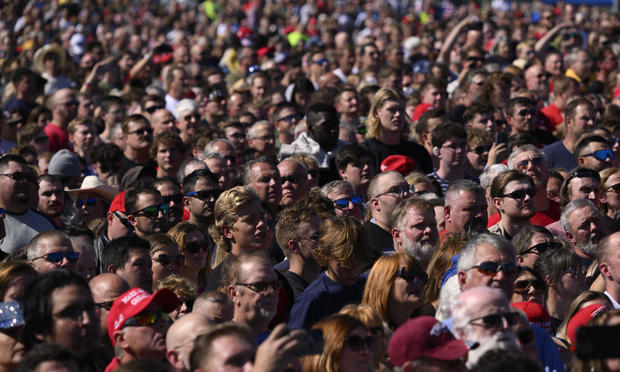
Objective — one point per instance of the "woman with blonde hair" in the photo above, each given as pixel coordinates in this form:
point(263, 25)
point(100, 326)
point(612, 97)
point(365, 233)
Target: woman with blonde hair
point(165, 257)
point(348, 346)
point(388, 130)
point(440, 262)
point(195, 245)
point(610, 192)
point(373, 322)
point(395, 288)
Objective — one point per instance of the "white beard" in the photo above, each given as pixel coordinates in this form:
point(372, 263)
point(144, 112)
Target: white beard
point(421, 252)
point(502, 340)
point(588, 248)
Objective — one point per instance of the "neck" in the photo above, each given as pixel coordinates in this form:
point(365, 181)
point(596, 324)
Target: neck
point(185, 137)
point(190, 273)
point(613, 289)
point(347, 117)
point(201, 221)
point(212, 119)
point(84, 153)
point(581, 253)
point(398, 315)
point(389, 138)
point(385, 225)
point(164, 173)
point(16, 208)
point(257, 325)
point(138, 156)
point(59, 122)
point(513, 225)
point(611, 212)
point(469, 169)
point(569, 142)
point(451, 173)
point(542, 202)
point(285, 138)
point(176, 94)
point(308, 271)
point(557, 305)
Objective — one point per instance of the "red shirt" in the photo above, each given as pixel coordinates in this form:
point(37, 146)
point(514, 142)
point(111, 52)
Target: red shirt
point(543, 218)
point(59, 138)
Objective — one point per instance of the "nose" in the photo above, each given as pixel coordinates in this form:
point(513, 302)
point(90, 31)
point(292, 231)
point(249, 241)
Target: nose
point(592, 196)
point(65, 262)
point(87, 316)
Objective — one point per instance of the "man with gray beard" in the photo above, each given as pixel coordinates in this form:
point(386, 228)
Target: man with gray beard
point(414, 229)
point(482, 319)
point(585, 227)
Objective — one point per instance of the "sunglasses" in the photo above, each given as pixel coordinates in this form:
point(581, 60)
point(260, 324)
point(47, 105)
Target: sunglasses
point(614, 188)
point(262, 287)
point(520, 194)
point(146, 318)
point(494, 321)
point(145, 130)
point(409, 276)
point(344, 202)
point(523, 285)
point(176, 198)
point(123, 220)
point(289, 118)
point(537, 162)
point(105, 305)
point(541, 248)
point(602, 155)
point(206, 194)
point(21, 176)
point(322, 62)
point(56, 257)
point(474, 59)
point(166, 259)
point(190, 117)
point(583, 173)
point(293, 178)
point(575, 272)
point(491, 268)
point(479, 150)
point(358, 343)
point(153, 210)
point(88, 202)
point(525, 112)
point(196, 247)
point(152, 109)
point(399, 191)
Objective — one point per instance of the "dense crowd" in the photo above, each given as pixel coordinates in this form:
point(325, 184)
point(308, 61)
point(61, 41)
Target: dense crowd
point(320, 186)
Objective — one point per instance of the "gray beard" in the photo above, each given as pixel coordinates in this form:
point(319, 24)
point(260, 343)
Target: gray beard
point(421, 252)
point(491, 343)
point(588, 248)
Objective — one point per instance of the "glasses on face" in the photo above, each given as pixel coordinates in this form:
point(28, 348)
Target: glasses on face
point(123, 220)
point(292, 178)
point(479, 150)
point(21, 176)
point(90, 202)
point(322, 62)
point(456, 146)
point(146, 318)
point(152, 109)
point(196, 247)
point(191, 116)
point(262, 287)
point(522, 286)
point(56, 257)
point(141, 131)
point(541, 248)
point(70, 103)
point(291, 117)
point(105, 305)
point(582, 173)
point(526, 112)
point(602, 155)
point(313, 238)
point(175, 198)
point(520, 194)
point(153, 210)
point(237, 135)
point(410, 275)
point(492, 268)
point(166, 259)
point(575, 272)
point(614, 188)
point(358, 343)
point(537, 162)
point(495, 320)
point(343, 203)
point(205, 194)
point(399, 191)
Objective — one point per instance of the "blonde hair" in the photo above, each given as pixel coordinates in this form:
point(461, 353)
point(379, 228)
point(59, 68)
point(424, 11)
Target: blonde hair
point(180, 286)
point(160, 241)
point(179, 233)
point(371, 319)
point(373, 125)
point(343, 240)
point(226, 212)
point(605, 175)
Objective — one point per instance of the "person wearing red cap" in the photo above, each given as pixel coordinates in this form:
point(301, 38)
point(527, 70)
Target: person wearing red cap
point(137, 325)
point(117, 226)
point(425, 344)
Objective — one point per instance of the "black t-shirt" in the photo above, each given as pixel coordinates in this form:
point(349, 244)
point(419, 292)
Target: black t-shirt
point(297, 283)
point(380, 240)
point(380, 151)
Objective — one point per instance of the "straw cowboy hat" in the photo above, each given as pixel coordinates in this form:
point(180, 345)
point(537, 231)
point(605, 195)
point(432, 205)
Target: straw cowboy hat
point(41, 53)
point(94, 185)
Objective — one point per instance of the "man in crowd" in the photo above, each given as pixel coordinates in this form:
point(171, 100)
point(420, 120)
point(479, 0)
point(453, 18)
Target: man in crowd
point(146, 211)
point(51, 250)
point(585, 227)
point(138, 137)
point(105, 288)
point(51, 198)
point(294, 180)
point(465, 208)
point(264, 178)
point(609, 264)
point(414, 229)
point(594, 152)
point(201, 191)
point(513, 195)
point(262, 139)
point(63, 105)
point(354, 164)
point(449, 146)
point(181, 336)
point(128, 257)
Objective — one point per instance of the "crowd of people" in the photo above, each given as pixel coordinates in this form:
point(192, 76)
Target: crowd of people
point(320, 186)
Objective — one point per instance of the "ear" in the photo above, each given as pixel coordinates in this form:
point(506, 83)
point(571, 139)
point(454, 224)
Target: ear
point(227, 232)
point(605, 272)
point(424, 137)
point(436, 151)
point(520, 260)
point(120, 339)
point(111, 269)
point(374, 202)
point(462, 278)
point(132, 220)
point(233, 294)
point(548, 281)
point(570, 237)
point(581, 161)
point(342, 174)
point(446, 213)
point(397, 238)
point(293, 246)
point(70, 136)
point(186, 203)
point(173, 358)
point(497, 203)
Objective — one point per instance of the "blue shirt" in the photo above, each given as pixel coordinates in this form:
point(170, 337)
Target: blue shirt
point(559, 156)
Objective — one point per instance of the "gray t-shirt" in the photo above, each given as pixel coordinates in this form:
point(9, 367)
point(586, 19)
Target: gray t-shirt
point(21, 228)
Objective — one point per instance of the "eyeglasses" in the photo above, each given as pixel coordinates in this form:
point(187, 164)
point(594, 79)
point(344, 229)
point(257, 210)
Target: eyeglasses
point(541, 248)
point(522, 286)
point(291, 117)
point(292, 178)
point(321, 62)
point(358, 343)
point(262, 287)
point(70, 103)
point(145, 130)
point(191, 116)
point(205, 194)
point(105, 305)
point(479, 150)
point(602, 155)
point(146, 318)
point(56, 257)
point(176, 198)
point(196, 247)
point(537, 162)
point(409, 276)
point(166, 259)
point(525, 112)
point(520, 194)
point(21, 176)
point(153, 210)
point(123, 220)
point(90, 202)
point(343, 203)
point(614, 188)
point(491, 268)
point(313, 238)
point(576, 272)
point(152, 109)
point(495, 320)
point(399, 191)
point(474, 59)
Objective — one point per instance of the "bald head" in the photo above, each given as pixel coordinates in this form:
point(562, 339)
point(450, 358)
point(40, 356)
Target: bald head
point(180, 337)
point(107, 286)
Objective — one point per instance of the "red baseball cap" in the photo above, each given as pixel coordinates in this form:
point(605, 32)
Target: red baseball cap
point(133, 302)
point(421, 337)
point(400, 163)
point(580, 319)
point(536, 313)
point(118, 203)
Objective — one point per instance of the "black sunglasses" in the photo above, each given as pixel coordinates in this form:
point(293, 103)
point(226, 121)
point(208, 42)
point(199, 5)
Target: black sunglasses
point(494, 321)
point(56, 257)
point(523, 285)
point(520, 194)
point(479, 150)
point(196, 247)
point(205, 194)
point(166, 259)
point(152, 109)
point(293, 178)
point(152, 211)
point(21, 176)
point(491, 268)
point(358, 343)
point(409, 276)
point(540, 248)
point(176, 198)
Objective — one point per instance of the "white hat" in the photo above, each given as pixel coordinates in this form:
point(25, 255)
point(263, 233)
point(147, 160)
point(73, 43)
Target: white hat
point(94, 185)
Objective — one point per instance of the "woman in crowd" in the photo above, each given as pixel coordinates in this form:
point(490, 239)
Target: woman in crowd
point(607, 318)
point(348, 347)
point(439, 264)
point(528, 287)
point(610, 193)
point(195, 245)
point(373, 322)
point(394, 288)
point(165, 257)
point(14, 278)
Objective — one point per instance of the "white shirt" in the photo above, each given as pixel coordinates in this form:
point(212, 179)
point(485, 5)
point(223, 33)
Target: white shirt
point(615, 304)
